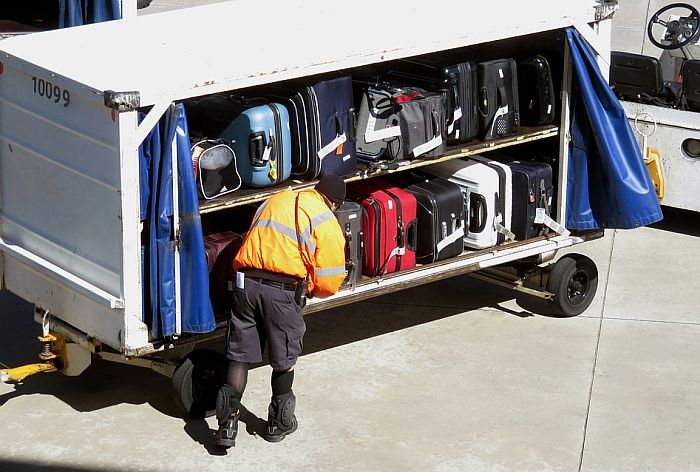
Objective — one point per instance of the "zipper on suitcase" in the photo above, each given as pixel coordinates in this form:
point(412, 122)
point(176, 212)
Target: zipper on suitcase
point(317, 128)
point(279, 151)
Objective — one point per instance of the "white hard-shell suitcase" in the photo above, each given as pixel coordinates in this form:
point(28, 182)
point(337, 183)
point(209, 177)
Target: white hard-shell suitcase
point(484, 188)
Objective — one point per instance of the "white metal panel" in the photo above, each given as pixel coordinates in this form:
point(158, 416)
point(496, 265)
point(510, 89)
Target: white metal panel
point(681, 172)
point(210, 48)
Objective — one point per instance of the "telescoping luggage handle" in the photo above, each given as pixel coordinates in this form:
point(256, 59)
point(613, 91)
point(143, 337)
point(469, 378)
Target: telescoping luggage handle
point(351, 266)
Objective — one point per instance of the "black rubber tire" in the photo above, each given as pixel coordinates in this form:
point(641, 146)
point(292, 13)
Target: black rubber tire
point(197, 379)
point(573, 281)
point(142, 4)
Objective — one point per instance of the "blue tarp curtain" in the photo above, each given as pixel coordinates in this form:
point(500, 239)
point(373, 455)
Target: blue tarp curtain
point(608, 184)
point(155, 155)
point(81, 12)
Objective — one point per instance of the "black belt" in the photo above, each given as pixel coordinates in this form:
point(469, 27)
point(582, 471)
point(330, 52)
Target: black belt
point(270, 278)
point(273, 283)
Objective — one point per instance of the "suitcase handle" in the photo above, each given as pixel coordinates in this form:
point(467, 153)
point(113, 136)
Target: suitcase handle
point(412, 235)
point(257, 143)
point(477, 213)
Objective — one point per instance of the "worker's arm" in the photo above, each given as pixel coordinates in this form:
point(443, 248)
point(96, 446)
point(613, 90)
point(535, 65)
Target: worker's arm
point(329, 259)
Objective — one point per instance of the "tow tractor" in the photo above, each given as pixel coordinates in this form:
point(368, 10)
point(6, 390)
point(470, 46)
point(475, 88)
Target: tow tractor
point(661, 98)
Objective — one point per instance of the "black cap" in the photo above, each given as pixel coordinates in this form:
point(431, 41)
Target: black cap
point(332, 187)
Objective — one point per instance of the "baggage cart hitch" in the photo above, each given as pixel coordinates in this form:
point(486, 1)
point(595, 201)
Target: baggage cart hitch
point(52, 356)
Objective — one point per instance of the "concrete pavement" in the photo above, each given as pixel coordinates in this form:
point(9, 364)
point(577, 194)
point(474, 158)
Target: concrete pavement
point(453, 376)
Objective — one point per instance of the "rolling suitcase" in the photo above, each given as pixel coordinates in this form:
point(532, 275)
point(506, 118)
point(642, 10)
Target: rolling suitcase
point(440, 220)
point(498, 98)
point(536, 90)
point(389, 226)
point(220, 249)
point(457, 83)
point(532, 189)
point(325, 122)
point(377, 122)
point(261, 139)
point(484, 202)
point(349, 217)
point(422, 121)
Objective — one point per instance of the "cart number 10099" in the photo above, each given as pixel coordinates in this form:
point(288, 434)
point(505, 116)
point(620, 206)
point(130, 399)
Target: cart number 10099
point(50, 91)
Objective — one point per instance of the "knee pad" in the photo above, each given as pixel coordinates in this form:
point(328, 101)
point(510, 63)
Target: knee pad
point(227, 402)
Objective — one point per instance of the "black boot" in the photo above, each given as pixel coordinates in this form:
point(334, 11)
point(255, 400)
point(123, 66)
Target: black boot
point(281, 420)
point(228, 410)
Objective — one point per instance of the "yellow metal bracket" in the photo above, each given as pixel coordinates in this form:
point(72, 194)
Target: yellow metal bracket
point(52, 356)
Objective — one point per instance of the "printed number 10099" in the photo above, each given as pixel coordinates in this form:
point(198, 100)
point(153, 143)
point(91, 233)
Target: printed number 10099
point(50, 91)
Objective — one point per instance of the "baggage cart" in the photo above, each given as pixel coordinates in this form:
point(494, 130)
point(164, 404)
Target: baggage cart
point(71, 216)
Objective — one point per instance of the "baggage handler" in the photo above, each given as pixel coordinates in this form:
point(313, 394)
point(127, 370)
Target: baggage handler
point(294, 246)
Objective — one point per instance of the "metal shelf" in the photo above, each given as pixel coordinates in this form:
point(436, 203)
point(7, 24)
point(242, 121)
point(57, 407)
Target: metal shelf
point(248, 195)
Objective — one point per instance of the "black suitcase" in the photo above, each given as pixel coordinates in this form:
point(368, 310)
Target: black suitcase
point(536, 91)
point(457, 83)
point(532, 189)
point(422, 121)
point(349, 217)
point(441, 220)
point(498, 98)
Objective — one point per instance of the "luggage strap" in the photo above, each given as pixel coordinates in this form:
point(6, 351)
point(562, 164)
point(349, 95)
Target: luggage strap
point(542, 218)
point(457, 234)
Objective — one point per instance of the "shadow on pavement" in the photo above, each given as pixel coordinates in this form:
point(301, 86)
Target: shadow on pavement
point(106, 384)
point(21, 466)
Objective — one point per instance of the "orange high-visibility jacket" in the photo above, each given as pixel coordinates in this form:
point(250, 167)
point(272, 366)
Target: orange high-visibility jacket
point(271, 243)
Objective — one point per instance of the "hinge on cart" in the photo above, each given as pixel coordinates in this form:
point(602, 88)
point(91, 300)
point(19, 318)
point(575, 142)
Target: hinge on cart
point(605, 9)
point(122, 101)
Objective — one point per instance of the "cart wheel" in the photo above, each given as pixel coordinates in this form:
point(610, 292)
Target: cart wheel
point(196, 381)
point(573, 281)
point(142, 4)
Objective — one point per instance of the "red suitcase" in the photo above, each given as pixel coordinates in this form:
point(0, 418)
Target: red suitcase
point(389, 226)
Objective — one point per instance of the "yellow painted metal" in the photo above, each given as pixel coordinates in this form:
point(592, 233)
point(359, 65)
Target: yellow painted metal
point(52, 355)
point(653, 163)
point(18, 374)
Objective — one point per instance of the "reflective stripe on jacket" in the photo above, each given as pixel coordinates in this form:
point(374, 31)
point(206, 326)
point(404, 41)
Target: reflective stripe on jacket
point(271, 243)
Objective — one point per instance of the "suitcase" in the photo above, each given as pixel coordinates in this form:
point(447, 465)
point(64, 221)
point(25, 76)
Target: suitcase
point(422, 121)
point(261, 139)
point(325, 122)
point(536, 90)
point(532, 189)
point(458, 85)
point(441, 222)
point(483, 199)
point(505, 190)
point(498, 98)
point(220, 249)
point(389, 226)
point(377, 122)
point(349, 217)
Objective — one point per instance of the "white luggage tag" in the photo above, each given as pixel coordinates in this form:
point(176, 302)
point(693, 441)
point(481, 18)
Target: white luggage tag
point(332, 146)
point(240, 280)
point(542, 218)
point(426, 147)
point(372, 135)
point(456, 116)
point(510, 236)
point(456, 234)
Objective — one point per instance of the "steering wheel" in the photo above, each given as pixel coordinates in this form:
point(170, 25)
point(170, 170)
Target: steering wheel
point(680, 32)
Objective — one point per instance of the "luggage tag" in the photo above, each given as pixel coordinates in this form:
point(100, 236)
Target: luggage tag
point(272, 159)
point(426, 147)
point(332, 146)
point(542, 218)
point(372, 135)
point(456, 116)
point(444, 242)
point(510, 236)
